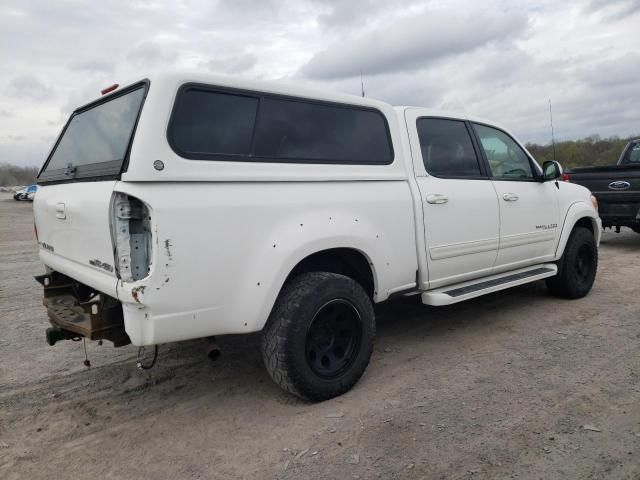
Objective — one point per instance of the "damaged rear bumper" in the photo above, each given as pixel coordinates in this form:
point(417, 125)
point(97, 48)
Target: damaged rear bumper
point(77, 311)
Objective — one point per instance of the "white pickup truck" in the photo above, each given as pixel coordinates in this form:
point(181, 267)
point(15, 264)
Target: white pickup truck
point(186, 206)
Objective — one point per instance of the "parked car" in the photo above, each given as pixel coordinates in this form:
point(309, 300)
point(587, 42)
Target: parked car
point(617, 188)
point(27, 193)
point(189, 206)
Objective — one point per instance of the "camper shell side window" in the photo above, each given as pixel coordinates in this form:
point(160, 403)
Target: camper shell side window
point(214, 123)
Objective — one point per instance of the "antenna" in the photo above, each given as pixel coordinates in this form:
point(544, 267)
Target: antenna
point(553, 140)
point(361, 84)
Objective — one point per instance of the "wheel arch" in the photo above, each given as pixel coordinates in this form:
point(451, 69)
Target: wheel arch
point(578, 214)
point(350, 262)
point(351, 257)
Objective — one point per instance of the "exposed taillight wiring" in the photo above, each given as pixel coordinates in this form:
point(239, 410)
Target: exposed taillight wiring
point(131, 237)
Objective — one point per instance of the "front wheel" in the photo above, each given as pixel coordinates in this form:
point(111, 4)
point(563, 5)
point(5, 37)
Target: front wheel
point(319, 338)
point(577, 267)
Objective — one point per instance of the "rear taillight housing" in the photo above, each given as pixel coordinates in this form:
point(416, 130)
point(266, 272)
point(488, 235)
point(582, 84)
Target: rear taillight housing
point(566, 177)
point(131, 237)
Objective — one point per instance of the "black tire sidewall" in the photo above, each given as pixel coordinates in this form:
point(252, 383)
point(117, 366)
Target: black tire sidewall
point(327, 287)
point(576, 287)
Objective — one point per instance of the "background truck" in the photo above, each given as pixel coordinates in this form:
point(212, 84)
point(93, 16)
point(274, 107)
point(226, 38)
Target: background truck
point(187, 206)
point(616, 187)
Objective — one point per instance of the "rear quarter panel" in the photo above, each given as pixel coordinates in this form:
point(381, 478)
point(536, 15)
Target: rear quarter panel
point(224, 249)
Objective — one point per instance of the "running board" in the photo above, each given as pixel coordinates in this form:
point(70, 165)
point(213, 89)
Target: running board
point(481, 286)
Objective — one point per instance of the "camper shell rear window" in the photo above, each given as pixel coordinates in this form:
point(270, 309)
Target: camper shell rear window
point(214, 123)
point(96, 140)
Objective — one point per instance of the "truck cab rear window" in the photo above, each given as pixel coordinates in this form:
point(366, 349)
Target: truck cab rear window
point(632, 155)
point(96, 139)
point(215, 125)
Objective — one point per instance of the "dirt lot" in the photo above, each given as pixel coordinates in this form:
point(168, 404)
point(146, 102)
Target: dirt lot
point(499, 387)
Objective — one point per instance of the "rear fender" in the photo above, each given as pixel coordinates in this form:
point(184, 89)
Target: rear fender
point(292, 244)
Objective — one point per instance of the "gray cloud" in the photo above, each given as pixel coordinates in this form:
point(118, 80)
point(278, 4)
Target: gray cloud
point(149, 53)
point(24, 153)
point(615, 9)
point(92, 65)
point(614, 73)
point(411, 43)
point(28, 87)
point(497, 59)
point(342, 12)
point(231, 64)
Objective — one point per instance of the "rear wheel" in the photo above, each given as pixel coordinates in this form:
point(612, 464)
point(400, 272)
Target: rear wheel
point(319, 337)
point(577, 267)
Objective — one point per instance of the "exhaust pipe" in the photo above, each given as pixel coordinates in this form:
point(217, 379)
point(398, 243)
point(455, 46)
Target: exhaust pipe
point(212, 349)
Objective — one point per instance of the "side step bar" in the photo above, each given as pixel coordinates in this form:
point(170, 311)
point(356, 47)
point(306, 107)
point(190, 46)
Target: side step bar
point(481, 286)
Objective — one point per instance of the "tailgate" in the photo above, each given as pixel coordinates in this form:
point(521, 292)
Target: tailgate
point(72, 227)
point(613, 180)
point(72, 208)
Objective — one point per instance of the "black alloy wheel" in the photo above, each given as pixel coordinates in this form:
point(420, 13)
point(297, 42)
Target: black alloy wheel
point(333, 339)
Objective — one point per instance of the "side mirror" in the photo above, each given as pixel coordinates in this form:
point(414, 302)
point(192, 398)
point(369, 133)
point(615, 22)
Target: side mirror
point(551, 170)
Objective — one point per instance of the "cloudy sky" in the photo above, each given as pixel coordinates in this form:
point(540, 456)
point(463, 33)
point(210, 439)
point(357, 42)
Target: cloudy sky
point(497, 59)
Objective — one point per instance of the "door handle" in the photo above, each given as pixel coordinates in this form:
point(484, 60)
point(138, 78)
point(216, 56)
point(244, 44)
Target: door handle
point(61, 211)
point(510, 197)
point(437, 199)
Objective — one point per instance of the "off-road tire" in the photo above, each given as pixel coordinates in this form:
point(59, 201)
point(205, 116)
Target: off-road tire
point(573, 281)
point(287, 333)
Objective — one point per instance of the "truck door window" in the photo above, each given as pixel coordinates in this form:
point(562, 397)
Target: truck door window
point(507, 161)
point(632, 155)
point(447, 149)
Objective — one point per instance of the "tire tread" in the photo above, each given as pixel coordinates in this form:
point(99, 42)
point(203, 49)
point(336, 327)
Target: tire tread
point(564, 284)
point(276, 334)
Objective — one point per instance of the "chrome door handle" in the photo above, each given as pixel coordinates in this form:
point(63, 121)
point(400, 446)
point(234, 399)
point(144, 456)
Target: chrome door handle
point(510, 197)
point(437, 199)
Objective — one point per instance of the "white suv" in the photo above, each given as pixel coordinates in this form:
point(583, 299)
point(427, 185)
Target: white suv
point(188, 206)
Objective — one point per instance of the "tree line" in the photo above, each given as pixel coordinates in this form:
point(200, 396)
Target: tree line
point(586, 152)
point(12, 175)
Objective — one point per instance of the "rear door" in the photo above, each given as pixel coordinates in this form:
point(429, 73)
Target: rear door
point(459, 202)
point(72, 206)
point(529, 212)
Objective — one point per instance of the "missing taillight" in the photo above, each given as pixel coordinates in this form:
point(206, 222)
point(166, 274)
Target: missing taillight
point(131, 231)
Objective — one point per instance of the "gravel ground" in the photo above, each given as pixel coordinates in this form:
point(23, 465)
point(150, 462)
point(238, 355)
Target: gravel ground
point(498, 387)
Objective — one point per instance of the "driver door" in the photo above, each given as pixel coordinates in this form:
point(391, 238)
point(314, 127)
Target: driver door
point(529, 211)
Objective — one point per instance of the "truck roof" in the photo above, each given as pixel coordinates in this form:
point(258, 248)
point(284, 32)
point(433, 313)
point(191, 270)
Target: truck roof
point(280, 87)
point(287, 87)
